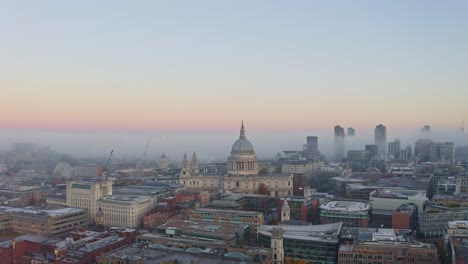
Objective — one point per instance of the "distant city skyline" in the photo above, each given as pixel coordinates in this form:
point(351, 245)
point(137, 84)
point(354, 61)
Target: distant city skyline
point(206, 65)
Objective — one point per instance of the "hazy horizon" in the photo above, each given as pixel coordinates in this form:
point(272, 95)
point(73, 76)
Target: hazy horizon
point(209, 145)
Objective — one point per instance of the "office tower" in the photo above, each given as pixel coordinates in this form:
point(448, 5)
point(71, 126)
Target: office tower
point(394, 148)
point(406, 154)
point(351, 132)
point(426, 129)
point(441, 152)
point(373, 150)
point(380, 134)
point(311, 148)
point(422, 149)
point(339, 143)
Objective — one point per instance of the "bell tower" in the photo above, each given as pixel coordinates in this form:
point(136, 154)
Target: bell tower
point(185, 171)
point(194, 165)
point(277, 245)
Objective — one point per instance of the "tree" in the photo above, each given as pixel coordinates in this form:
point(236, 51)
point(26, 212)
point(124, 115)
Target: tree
point(263, 189)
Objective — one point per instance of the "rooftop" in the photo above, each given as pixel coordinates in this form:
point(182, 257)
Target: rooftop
point(326, 233)
point(399, 193)
point(202, 228)
point(346, 206)
point(220, 211)
point(39, 211)
point(128, 199)
point(460, 224)
point(406, 208)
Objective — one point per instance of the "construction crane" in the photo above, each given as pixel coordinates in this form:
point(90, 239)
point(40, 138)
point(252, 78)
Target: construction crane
point(146, 150)
point(104, 171)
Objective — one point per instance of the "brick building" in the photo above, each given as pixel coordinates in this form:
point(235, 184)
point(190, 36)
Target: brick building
point(405, 217)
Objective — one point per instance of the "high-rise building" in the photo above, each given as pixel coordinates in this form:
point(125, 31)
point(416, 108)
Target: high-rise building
point(394, 148)
point(373, 150)
point(339, 142)
point(311, 148)
point(422, 149)
point(441, 152)
point(407, 153)
point(351, 132)
point(380, 135)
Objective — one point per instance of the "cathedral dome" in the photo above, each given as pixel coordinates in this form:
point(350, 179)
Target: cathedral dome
point(242, 146)
point(242, 160)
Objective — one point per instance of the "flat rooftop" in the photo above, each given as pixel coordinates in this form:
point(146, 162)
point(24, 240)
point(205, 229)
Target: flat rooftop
point(38, 211)
point(399, 193)
point(386, 237)
point(128, 199)
point(460, 224)
point(325, 233)
point(406, 208)
point(202, 228)
point(221, 211)
point(156, 254)
point(346, 206)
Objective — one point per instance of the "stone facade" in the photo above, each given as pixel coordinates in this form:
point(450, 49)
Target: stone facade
point(243, 173)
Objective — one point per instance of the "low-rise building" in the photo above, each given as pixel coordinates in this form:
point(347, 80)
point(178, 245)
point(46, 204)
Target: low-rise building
point(310, 243)
point(253, 219)
point(301, 208)
point(124, 210)
point(385, 246)
point(40, 221)
point(230, 234)
point(405, 217)
point(350, 213)
point(386, 200)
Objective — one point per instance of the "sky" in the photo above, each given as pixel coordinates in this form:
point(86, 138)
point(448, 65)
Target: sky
point(197, 68)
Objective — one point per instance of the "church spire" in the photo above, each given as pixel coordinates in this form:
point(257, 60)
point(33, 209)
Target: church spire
point(242, 131)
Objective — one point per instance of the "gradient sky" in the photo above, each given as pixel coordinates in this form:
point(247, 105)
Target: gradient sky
point(205, 65)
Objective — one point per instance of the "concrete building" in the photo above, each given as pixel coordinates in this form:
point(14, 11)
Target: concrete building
point(253, 219)
point(339, 143)
point(124, 210)
point(163, 249)
point(373, 150)
point(386, 200)
point(351, 132)
point(311, 243)
point(456, 228)
point(293, 167)
point(86, 194)
point(385, 246)
point(311, 148)
point(350, 213)
point(441, 152)
point(46, 222)
point(230, 234)
point(394, 148)
point(242, 174)
point(380, 136)
point(422, 149)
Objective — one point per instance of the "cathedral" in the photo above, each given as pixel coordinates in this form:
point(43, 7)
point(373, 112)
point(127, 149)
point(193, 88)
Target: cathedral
point(242, 173)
